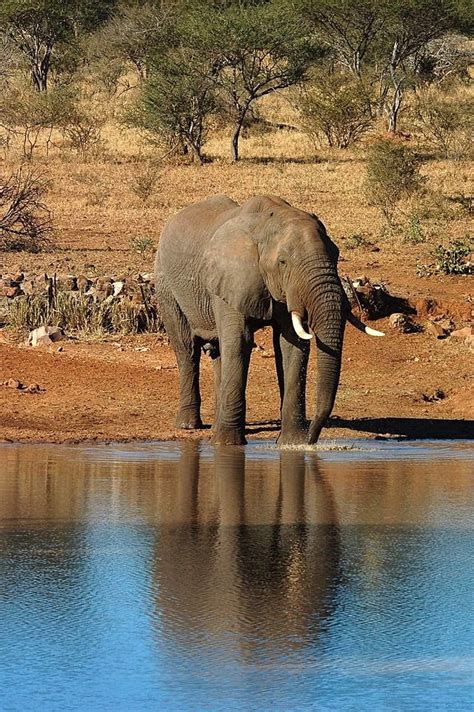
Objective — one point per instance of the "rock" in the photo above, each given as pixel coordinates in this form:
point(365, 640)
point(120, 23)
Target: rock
point(464, 333)
point(437, 395)
point(436, 330)
point(45, 335)
point(83, 283)
point(118, 288)
point(13, 383)
point(444, 322)
point(28, 287)
point(34, 388)
point(402, 323)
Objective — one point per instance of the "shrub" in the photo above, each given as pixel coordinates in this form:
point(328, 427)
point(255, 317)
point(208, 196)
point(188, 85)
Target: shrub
point(29, 115)
point(455, 258)
point(174, 105)
point(144, 181)
point(336, 107)
point(25, 222)
point(445, 121)
point(392, 175)
point(82, 125)
point(142, 245)
point(414, 232)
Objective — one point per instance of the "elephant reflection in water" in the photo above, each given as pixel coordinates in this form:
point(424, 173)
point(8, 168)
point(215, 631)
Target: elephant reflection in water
point(260, 564)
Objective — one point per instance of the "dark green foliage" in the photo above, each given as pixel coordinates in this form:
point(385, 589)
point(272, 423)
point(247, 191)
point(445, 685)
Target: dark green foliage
point(175, 102)
point(453, 259)
point(253, 50)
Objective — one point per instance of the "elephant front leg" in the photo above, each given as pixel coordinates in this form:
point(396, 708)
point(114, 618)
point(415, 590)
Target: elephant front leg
point(292, 365)
point(188, 352)
point(189, 417)
point(236, 341)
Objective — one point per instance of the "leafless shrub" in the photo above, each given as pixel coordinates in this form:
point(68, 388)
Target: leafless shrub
point(144, 181)
point(445, 121)
point(25, 221)
point(31, 116)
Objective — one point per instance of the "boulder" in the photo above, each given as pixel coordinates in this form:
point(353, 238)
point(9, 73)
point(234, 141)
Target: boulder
point(45, 335)
point(403, 323)
point(464, 333)
point(435, 329)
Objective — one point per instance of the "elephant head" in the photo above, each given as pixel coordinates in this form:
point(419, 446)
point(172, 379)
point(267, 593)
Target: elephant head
point(269, 251)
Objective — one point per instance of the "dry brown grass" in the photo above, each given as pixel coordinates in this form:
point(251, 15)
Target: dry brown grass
point(97, 216)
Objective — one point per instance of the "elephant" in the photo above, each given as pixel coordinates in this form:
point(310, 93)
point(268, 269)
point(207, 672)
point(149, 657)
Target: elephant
point(224, 270)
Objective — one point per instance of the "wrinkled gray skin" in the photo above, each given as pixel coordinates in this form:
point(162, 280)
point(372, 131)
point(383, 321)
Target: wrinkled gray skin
point(222, 272)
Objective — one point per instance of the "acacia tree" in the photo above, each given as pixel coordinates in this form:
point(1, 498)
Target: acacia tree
point(386, 37)
point(136, 32)
point(39, 28)
point(347, 29)
point(175, 102)
point(252, 50)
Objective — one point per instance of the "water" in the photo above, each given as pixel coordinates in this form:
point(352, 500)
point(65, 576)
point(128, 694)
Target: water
point(175, 577)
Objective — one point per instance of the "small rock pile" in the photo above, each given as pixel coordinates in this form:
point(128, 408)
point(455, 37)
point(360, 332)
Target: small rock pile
point(100, 294)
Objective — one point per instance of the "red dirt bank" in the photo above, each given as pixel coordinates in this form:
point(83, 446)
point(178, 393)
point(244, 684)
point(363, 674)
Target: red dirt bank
point(102, 391)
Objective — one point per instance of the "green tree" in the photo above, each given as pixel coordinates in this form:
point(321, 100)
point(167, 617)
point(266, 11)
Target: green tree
point(137, 32)
point(41, 29)
point(385, 37)
point(175, 102)
point(252, 50)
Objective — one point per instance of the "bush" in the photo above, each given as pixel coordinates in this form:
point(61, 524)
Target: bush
point(25, 222)
point(84, 117)
point(455, 258)
point(445, 121)
point(144, 181)
point(336, 107)
point(29, 115)
point(174, 105)
point(392, 175)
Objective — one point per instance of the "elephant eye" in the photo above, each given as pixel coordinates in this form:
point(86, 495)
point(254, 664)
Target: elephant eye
point(281, 261)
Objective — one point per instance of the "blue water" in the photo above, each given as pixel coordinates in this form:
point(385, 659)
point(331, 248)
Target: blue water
point(177, 577)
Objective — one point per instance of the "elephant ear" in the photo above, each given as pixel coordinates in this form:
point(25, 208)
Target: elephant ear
point(233, 271)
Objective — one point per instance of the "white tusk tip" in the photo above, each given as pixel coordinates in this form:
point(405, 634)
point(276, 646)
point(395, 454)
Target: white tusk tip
point(373, 332)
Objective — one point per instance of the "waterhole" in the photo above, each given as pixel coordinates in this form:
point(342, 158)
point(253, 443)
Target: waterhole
point(176, 576)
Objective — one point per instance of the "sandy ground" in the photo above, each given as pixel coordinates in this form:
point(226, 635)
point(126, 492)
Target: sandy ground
point(126, 389)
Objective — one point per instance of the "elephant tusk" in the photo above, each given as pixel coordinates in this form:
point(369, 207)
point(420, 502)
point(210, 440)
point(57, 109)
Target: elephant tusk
point(298, 326)
point(362, 327)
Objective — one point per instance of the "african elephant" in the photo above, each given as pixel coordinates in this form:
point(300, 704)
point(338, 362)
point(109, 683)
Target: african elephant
point(223, 271)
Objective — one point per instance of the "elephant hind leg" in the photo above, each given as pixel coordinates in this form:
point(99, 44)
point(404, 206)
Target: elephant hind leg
point(187, 349)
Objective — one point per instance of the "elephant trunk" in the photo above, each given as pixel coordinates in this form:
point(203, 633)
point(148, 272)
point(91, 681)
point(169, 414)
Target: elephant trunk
point(326, 312)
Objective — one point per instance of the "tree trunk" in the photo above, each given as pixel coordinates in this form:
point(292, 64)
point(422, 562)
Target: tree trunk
point(234, 146)
point(40, 67)
point(394, 109)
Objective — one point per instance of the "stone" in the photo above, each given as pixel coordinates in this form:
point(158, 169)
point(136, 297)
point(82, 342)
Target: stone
point(10, 292)
point(83, 283)
point(13, 383)
point(402, 322)
point(436, 330)
point(34, 388)
point(118, 288)
point(464, 333)
point(45, 335)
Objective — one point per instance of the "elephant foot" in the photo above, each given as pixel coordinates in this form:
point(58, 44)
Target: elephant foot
point(221, 436)
point(293, 437)
point(188, 421)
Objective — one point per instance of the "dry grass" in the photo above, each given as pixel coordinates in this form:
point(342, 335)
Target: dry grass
point(97, 216)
